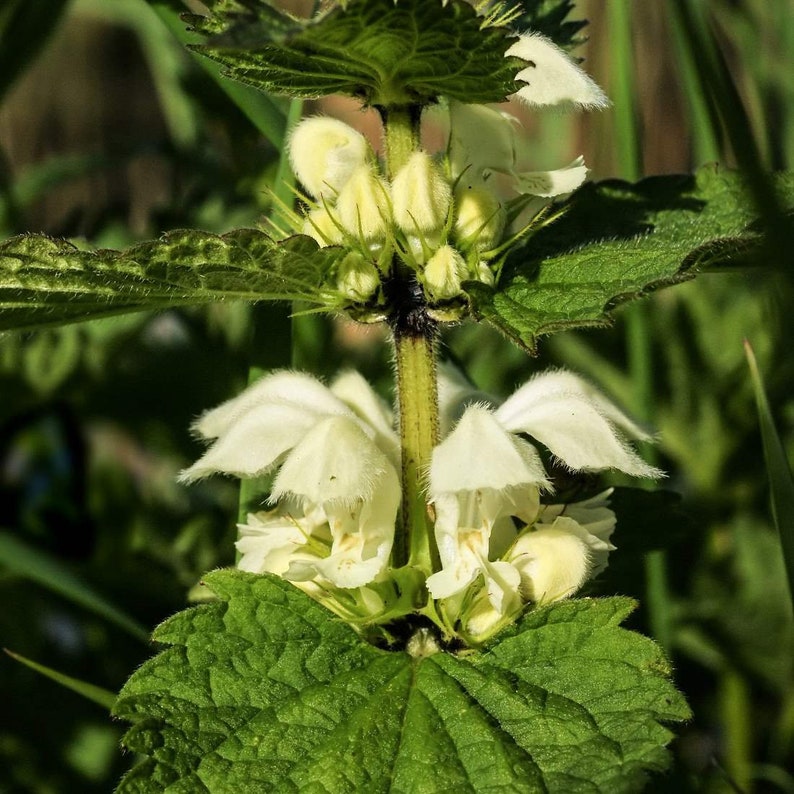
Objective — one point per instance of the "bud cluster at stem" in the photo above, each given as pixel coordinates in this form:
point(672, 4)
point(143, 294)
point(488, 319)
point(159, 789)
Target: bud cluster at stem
point(441, 218)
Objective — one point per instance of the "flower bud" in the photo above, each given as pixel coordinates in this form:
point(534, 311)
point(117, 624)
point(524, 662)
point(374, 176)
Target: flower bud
point(421, 195)
point(363, 204)
point(358, 279)
point(321, 225)
point(443, 274)
point(484, 274)
point(324, 153)
point(479, 217)
point(554, 562)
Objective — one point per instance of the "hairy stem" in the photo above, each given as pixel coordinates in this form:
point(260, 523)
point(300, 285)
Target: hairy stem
point(415, 359)
point(401, 129)
point(417, 399)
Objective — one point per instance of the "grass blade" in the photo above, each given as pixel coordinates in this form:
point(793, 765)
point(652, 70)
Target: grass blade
point(102, 697)
point(39, 567)
point(781, 481)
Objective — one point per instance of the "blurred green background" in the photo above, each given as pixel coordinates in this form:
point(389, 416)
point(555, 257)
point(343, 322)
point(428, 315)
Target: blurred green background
point(110, 132)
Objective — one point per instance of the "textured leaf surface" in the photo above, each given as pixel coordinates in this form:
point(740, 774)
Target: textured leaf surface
point(381, 51)
point(617, 242)
point(48, 282)
point(265, 690)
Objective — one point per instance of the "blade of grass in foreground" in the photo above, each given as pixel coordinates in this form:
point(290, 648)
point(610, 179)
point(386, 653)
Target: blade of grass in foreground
point(781, 481)
point(21, 559)
point(100, 696)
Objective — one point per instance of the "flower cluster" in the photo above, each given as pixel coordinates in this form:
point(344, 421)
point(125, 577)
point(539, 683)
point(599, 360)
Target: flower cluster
point(335, 493)
point(446, 218)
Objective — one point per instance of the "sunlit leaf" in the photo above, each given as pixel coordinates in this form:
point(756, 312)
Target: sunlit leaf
point(266, 690)
point(48, 282)
point(616, 243)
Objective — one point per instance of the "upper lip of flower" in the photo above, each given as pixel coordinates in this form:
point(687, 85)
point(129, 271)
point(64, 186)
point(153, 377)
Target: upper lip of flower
point(483, 472)
point(256, 430)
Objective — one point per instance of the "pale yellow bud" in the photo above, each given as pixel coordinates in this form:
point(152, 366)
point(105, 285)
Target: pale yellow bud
point(484, 274)
point(421, 195)
point(323, 226)
point(363, 205)
point(553, 562)
point(479, 217)
point(358, 279)
point(324, 153)
point(443, 273)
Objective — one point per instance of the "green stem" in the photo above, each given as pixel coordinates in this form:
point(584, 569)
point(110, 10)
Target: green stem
point(401, 128)
point(417, 390)
point(415, 360)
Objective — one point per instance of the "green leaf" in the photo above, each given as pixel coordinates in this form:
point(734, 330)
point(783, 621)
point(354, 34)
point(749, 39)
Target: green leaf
point(550, 17)
point(265, 690)
point(51, 282)
point(616, 242)
point(382, 52)
point(102, 697)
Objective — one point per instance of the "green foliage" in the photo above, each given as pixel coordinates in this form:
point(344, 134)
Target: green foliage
point(381, 52)
point(781, 481)
point(48, 282)
point(33, 564)
point(266, 690)
point(615, 243)
point(96, 694)
point(550, 17)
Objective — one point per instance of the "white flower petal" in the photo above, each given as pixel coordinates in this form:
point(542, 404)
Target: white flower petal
point(552, 77)
point(455, 394)
point(363, 206)
point(356, 393)
point(502, 582)
point(479, 453)
point(282, 387)
point(548, 184)
point(334, 461)
point(363, 535)
point(481, 138)
point(272, 542)
point(572, 427)
point(549, 384)
point(254, 443)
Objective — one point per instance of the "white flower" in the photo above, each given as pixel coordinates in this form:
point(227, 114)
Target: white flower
point(337, 457)
point(485, 141)
point(568, 545)
point(484, 475)
point(552, 78)
point(479, 478)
